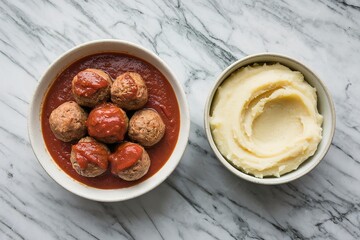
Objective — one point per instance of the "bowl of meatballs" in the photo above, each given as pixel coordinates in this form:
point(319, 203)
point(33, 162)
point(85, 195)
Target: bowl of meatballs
point(109, 121)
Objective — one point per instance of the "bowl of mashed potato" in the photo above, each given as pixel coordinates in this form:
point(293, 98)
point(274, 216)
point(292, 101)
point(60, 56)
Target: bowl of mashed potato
point(269, 119)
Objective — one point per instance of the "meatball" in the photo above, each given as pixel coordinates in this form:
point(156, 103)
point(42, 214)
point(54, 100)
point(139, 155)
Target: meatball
point(129, 91)
point(91, 87)
point(67, 122)
point(107, 123)
point(89, 158)
point(130, 161)
point(146, 127)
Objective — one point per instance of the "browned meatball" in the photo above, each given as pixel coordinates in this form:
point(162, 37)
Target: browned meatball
point(146, 127)
point(89, 158)
point(67, 122)
point(130, 161)
point(91, 87)
point(107, 123)
point(129, 91)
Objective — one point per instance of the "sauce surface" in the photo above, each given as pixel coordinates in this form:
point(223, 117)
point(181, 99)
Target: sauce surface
point(161, 97)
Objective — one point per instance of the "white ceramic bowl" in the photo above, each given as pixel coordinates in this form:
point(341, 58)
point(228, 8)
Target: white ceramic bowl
point(325, 107)
point(38, 144)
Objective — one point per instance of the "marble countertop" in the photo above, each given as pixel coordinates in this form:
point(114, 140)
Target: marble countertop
point(197, 39)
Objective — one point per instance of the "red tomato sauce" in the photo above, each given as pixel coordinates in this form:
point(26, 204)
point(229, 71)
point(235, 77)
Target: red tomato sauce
point(161, 98)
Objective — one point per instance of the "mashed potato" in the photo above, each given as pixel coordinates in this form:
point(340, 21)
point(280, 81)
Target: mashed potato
point(264, 120)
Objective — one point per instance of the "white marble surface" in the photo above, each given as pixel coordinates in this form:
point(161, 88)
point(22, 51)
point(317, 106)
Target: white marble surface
point(198, 39)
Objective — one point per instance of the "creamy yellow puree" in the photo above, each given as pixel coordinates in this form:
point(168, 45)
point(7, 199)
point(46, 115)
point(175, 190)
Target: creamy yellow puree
point(264, 120)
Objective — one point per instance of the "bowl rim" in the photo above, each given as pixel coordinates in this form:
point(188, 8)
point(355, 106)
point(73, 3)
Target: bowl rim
point(222, 77)
point(180, 95)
